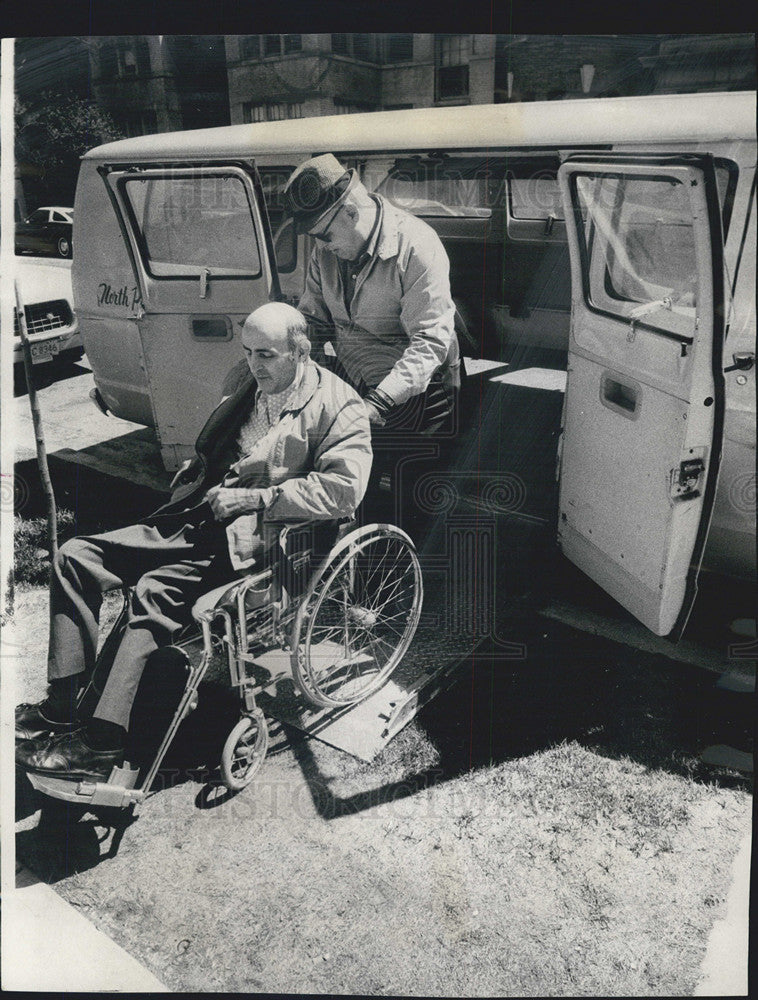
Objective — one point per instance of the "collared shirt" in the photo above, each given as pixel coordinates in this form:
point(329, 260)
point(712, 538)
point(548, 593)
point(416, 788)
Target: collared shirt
point(395, 327)
point(350, 269)
point(266, 411)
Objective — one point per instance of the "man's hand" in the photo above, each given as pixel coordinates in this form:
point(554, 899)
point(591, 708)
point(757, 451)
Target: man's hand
point(227, 503)
point(374, 415)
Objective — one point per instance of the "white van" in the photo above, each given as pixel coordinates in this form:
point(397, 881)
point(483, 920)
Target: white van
point(603, 264)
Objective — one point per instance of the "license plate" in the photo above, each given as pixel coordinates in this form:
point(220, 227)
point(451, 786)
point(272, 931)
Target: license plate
point(44, 351)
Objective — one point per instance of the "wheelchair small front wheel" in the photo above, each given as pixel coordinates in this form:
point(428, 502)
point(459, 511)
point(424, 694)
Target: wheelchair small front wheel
point(244, 751)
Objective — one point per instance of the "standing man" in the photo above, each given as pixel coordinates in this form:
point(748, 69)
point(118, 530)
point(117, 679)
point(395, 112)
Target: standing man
point(378, 284)
point(291, 442)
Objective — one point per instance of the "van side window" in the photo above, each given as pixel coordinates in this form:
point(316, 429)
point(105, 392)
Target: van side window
point(536, 196)
point(638, 249)
point(187, 223)
point(443, 185)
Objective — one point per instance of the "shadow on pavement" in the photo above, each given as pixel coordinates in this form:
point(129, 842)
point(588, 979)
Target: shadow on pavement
point(70, 838)
point(63, 368)
point(99, 502)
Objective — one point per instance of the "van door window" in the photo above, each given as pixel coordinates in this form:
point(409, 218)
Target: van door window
point(190, 222)
point(637, 245)
point(273, 182)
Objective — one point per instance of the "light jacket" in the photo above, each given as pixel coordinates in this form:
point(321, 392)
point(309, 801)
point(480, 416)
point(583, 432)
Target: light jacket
point(400, 327)
point(312, 465)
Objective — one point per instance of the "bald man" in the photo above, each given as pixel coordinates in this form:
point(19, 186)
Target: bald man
point(291, 441)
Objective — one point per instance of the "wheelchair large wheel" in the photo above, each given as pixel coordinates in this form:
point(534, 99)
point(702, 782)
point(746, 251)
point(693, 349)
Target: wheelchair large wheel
point(244, 751)
point(358, 616)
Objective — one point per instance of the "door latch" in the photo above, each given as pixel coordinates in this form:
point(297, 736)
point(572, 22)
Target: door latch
point(204, 274)
point(687, 479)
point(743, 362)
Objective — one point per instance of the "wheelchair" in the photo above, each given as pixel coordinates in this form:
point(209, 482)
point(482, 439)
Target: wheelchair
point(342, 602)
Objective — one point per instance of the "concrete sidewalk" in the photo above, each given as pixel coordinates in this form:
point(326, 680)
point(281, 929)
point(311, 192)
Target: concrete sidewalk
point(725, 968)
point(76, 431)
point(48, 946)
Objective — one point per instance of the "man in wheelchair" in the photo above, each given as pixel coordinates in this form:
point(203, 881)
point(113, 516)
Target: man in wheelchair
point(289, 441)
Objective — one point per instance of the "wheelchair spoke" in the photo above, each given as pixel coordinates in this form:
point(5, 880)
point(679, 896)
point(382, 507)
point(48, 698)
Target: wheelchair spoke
point(379, 559)
point(387, 598)
point(383, 568)
point(361, 621)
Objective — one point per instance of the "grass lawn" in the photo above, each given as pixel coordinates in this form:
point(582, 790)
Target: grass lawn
point(543, 828)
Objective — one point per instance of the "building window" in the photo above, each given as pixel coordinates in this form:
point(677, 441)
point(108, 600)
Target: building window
point(250, 47)
point(399, 48)
point(451, 56)
point(362, 46)
point(343, 106)
point(133, 124)
point(139, 123)
point(142, 52)
point(130, 63)
point(293, 43)
point(272, 45)
point(108, 62)
point(339, 45)
point(125, 60)
point(269, 111)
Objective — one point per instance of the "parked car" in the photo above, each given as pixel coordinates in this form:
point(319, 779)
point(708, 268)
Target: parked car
point(47, 230)
point(51, 323)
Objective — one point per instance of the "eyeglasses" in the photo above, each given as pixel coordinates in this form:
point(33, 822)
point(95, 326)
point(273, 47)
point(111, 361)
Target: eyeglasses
point(324, 237)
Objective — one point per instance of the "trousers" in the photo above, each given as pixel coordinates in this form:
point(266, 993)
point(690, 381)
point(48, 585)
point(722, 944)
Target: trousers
point(169, 563)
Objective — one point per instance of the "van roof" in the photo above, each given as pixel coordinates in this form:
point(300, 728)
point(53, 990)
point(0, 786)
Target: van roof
point(666, 117)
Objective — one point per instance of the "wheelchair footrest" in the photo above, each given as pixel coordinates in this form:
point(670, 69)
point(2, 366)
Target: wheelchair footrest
point(118, 791)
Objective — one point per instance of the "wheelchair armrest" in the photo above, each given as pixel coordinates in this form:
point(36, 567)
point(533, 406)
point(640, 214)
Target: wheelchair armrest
point(281, 531)
point(276, 534)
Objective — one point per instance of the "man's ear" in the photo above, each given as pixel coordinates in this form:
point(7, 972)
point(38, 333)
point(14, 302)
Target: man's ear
point(304, 351)
point(351, 211)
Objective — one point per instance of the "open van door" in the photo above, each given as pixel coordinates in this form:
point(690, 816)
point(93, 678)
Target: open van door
point(200, 248)
point(644, 405)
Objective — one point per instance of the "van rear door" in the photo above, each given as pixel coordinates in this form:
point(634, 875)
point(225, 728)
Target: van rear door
point(644, 405)
point(201, 252)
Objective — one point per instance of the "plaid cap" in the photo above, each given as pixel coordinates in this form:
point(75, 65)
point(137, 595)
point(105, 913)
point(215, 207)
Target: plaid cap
point(316, 188)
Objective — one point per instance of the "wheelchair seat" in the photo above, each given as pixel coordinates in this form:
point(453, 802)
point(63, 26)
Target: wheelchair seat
point(223, 595)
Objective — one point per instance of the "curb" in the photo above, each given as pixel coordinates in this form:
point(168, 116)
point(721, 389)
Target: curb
point(724, 972)
point(48, 946)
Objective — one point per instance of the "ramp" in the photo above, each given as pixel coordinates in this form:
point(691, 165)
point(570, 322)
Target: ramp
point(362, 730)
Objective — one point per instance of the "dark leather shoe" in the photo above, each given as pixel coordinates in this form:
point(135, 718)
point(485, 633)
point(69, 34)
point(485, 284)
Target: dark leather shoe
point(68, 756)
point(26, 748)
point(31, 723)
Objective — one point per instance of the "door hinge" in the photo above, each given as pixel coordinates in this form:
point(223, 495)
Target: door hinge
point(204, 274)
point(687, 479)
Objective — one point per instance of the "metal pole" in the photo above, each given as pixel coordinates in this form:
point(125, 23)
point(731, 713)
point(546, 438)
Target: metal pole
point(52, 518)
